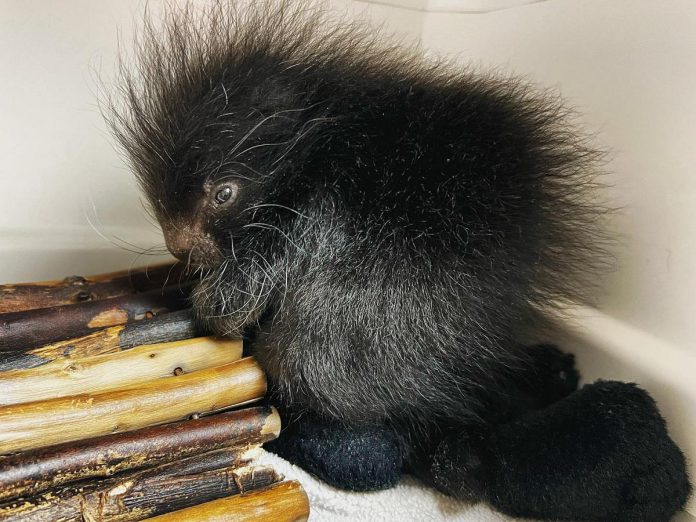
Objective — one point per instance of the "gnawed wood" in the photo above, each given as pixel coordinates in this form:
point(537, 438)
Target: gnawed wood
point(25, 474)
point(99, 373)
point(139, 495)
point(173, 326)
point(33, 328)
point(36, 424)
point(281, 502)
point(78, 289)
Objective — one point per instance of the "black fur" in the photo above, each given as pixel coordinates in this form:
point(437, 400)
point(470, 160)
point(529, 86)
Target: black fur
point(590, 457)
point(399, 223)
point(396, 227)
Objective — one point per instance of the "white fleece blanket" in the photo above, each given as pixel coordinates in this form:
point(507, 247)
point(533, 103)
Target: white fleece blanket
point(409, 500)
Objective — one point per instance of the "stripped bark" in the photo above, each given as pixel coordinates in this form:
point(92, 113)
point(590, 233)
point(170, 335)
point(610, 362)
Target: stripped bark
point(100, 373)
point(78, 289)
point(27, 473)
point(33, 328)
point(147, 493)
point(281, 502)
point(37, 424)
point(173, 326)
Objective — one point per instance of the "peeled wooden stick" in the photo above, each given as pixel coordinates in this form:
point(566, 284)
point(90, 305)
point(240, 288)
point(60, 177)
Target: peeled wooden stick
point(166, 327)
point(138, 495)
point(78, 289)
point(37, 424)
point(99, 373)
point(32, 328)
point(25, 474)
point(281, 502)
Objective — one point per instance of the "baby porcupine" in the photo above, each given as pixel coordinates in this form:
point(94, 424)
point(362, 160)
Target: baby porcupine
point(382, 228)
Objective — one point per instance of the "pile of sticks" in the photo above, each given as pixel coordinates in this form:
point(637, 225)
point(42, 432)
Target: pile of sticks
point(113, 407)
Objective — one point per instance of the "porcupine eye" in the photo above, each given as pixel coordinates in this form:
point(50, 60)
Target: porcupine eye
point(225, 194)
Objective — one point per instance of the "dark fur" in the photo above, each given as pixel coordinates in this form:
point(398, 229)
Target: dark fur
point(399, 225)
point(601, 454)
point(413, 217)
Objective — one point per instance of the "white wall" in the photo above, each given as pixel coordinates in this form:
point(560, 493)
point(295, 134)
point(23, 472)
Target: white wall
point(57, 153)
point(58, 159)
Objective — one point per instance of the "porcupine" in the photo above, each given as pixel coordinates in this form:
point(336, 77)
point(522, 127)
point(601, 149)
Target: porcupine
point(385, 230)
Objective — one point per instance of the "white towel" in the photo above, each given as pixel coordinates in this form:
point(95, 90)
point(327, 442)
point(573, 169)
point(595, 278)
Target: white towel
point(409, 500)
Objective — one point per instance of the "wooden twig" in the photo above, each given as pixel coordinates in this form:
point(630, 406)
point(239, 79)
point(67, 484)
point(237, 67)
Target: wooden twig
point(139, 495)
point(25, 474)
point(32, 328)
point(77, 289)
point(172, 326)
point(100, 373)
point(36, 424)
point(281, 502)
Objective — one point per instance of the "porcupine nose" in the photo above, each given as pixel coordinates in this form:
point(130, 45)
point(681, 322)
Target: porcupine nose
point(191, 244)
point(179, 242)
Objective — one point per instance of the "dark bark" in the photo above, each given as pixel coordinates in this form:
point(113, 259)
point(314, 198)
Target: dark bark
point(25, 474)
point(173, 326)
point(33, 328)
point(78, 289)
point(143, 494)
